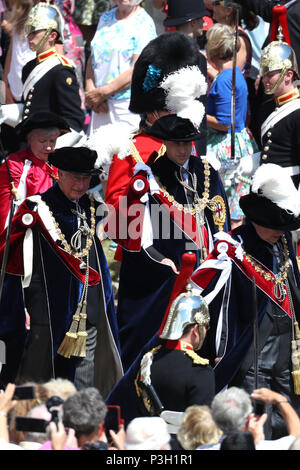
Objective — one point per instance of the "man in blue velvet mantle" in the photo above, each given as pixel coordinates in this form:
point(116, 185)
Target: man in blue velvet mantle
point(57, 270)
point(182, 202)
point(252, 273)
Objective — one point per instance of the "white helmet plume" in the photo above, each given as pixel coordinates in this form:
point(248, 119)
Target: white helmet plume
point(272, 182)
point(182, 88)
point(109, 140)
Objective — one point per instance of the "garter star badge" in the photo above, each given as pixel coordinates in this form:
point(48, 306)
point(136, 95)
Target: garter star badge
point(219, 213)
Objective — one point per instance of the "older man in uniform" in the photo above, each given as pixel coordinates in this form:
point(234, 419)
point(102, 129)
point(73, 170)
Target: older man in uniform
point(61, 276)
point(253, 334)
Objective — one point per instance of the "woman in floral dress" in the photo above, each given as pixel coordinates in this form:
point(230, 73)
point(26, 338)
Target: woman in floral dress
point(220, 48)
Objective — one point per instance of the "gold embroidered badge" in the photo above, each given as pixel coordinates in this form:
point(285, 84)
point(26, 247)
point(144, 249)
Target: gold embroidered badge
point(69, 80)
point(219, 214)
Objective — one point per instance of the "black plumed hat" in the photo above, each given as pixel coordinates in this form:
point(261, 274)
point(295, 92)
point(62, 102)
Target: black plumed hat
point(266, 213)
point(182, 11)
point(173, 128)
point(274, 201)
point(79, 160)
point(165, 54)
point(40, 120)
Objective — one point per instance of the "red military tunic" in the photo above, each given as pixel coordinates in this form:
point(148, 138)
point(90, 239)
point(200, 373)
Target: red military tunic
point(121, 171)
point(38, 179)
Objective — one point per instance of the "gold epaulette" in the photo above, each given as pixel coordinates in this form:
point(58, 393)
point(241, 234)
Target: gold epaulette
point(65, 61)
point(136, 155)
point(196, 359)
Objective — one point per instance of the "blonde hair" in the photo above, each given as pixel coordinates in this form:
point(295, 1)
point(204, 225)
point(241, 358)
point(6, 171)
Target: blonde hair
point(221, 42)
point(198, 428)
point(60, 387)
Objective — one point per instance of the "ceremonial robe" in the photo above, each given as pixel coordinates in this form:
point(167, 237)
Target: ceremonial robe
point(226, 283)
point(145, 282)
point(53, 293)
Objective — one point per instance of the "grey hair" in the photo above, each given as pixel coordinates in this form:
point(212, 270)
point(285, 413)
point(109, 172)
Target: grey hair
point(221, 42)
point(230, 409)
point(84, 411)
point(41, 412)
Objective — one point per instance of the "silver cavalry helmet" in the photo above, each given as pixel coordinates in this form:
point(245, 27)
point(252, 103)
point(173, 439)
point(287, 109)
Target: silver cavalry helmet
point(278, 55)
point(45, 17)
point(187, 309)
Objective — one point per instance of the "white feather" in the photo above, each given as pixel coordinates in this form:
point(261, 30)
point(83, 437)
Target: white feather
point(109, 140)
point(182, 89)
point(275, 184)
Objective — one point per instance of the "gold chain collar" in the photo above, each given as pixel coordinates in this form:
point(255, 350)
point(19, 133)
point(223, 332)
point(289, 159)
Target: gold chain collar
point(201, 204)
point(277, 279)
point(89, 240)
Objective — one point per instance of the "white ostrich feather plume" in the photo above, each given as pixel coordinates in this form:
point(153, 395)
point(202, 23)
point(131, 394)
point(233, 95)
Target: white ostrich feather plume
point(109, 140)
point(275, 184)
point(182, 88)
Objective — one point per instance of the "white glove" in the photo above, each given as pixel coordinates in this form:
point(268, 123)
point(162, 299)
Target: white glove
point(140, 166)
point(11, 114)
point(248, 165)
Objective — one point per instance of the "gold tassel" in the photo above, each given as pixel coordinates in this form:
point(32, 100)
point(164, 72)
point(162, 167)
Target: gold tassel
point(297, 337)
point(67, 346)
point(296, 368)
point(80, 344)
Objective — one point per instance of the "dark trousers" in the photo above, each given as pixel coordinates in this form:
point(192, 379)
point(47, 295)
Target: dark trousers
point(84, 376)
point(274, 372)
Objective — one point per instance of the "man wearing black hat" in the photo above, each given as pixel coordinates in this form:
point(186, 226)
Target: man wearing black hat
point(253, 330)
point(164, 55)
point(190, 196)
point(57, 258)
point(186, 16)
point(29, 168)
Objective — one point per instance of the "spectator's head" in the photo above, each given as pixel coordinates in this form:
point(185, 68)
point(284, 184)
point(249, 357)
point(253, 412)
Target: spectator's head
point(226, 11)
point(62, 388)
point(188, 13)
point(38, 412)
point(198, 428)
point(150, 433)
point(85, 411)
point(238, 441)
point(230, 409)
point(220, 43)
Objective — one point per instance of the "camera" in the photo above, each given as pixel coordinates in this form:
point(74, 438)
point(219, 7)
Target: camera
point(26, 424)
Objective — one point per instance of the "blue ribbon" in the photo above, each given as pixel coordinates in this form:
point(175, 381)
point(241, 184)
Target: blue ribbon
point(152, 77)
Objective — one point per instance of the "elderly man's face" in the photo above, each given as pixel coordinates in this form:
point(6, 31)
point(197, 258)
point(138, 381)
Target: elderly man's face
point(73, 185)
point(42, 142)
